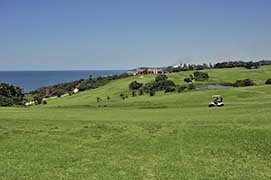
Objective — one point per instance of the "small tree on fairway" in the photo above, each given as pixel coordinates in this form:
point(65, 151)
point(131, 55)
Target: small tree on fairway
point(160, 77)
point(134, 85)
point(200, 76)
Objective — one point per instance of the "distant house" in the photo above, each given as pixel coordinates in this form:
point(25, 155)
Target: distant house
point(149, 70)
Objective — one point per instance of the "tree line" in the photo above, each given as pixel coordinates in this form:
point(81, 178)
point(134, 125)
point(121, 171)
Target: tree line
point(11, 95)
point(226, 64)
point(81, 85)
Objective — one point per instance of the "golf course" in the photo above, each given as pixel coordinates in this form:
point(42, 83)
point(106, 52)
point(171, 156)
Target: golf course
point(165, 136)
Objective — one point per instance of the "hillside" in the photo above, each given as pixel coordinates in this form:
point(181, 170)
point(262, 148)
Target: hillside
point(167, 136)
point(116, 87)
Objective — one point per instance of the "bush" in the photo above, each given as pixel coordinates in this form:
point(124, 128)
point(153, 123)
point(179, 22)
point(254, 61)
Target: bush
point(148, 87)
point(200, 76)
point(134, 85)
point(181, 88)
point(5, 101)
point(169, 83)
point(188, 80)
point(140, 92)
point(11, 95)
point(152, 93)
point(160, 77)
point(59, 92)
point(38, 99)
point(268, 81)
point(170, 89)
point(243, 83)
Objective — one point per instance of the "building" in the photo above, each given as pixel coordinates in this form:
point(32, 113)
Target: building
point(149, 70)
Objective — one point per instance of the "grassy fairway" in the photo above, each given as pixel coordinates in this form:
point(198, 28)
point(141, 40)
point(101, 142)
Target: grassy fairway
point(168, 136)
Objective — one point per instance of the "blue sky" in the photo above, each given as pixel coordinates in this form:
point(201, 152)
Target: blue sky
point(122, 34)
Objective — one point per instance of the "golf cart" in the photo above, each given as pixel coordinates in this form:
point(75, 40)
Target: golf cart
point(217, 101)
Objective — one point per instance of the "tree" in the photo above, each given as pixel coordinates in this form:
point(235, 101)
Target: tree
point(59, 92)
point(170, 89)
point(187, 79)
point(200, 76)
point(11, 95)
point(160, 77)
point(148, 87)
point(134, 85)
point(38, 100)
point(244, 82)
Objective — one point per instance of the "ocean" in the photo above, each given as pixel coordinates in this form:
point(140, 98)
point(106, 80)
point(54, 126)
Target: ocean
point(30, 80)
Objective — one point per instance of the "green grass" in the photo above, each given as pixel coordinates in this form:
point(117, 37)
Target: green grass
point(168, 136)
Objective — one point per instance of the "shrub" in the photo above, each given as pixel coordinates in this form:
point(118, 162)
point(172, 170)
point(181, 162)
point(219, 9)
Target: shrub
point(140, 92)
point(152, 93)
point(5, 101)
point(169, 83)
point(148, 87)
point(200, 76)
point(58, 92)
point(170, 89)
point(244, 82)
point(181, 88)
point(160, 77)
point(187, 79)
point(134, 85)
point(268, 81)
point(251, 65)
point(11, 95)
point(38, 99)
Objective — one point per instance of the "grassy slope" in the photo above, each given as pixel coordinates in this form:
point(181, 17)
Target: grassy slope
point(168, 136)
